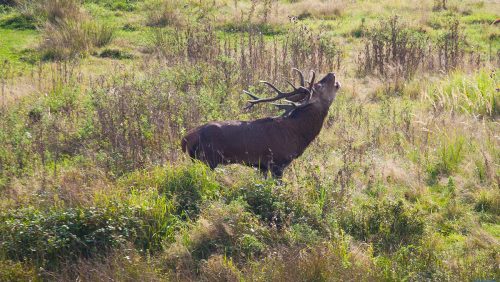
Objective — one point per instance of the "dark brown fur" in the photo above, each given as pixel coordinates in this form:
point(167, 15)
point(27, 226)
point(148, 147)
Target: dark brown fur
point(269, 144)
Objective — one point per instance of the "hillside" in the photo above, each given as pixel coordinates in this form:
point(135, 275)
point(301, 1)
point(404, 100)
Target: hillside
point(402, 184)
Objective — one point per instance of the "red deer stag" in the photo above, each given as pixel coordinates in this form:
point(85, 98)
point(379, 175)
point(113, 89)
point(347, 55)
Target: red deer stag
point(271, 143)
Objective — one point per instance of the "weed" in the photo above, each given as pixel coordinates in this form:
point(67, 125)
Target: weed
point(449, 156)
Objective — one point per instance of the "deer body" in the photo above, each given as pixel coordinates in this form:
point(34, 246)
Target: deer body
point(269, 144)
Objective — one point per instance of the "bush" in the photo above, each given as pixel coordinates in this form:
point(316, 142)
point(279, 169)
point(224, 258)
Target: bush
point(414, 263)
point(50, 237)
point(189, 186)
point(51, 11)
point(152, 114)
point(45, 238)
point(100, 34)
point(488, 201)
point(393, 49)
point(163, 13)
point(387, 225)
point(303, 234)
point(124, 264)
point(220, 268)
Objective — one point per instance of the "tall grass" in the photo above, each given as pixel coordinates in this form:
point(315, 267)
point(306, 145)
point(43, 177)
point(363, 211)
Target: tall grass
point(473, 95)
point(95, 187)
point(68, 32)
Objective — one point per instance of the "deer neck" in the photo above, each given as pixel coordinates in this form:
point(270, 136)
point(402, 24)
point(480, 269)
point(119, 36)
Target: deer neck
point(308, 122)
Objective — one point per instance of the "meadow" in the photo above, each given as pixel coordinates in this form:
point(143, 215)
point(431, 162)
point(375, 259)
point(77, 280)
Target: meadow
point(402, 184)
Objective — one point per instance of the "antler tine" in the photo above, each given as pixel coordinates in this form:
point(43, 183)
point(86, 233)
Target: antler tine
point(251, 95)
point(290, 107)
point(280, 95)
point(311, 83)
point(301, 75)
point(273, 87)
point(291, 84)
point(292, 97)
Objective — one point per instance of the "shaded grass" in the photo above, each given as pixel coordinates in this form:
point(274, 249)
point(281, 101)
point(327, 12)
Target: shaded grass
point(17, 21)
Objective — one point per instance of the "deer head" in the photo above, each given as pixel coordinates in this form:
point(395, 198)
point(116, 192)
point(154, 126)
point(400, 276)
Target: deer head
point(322, 93)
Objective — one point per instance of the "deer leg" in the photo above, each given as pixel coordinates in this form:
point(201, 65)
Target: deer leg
point(208, 156)
point(277, 171)
point(264, 171)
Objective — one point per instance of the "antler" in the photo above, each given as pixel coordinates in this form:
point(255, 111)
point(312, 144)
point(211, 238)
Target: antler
point(292, 105)
point(298, 94)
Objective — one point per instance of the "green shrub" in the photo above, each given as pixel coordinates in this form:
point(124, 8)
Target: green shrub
point(50, 237)
point(303, 234)
point(324, 261)
point(163, 13)
point(51, 11)
point(413, 263)
point(189, 186)
point(387, 225)
point(28, 234)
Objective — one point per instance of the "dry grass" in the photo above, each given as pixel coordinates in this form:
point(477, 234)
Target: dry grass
point(95, 131)
point(120, 265)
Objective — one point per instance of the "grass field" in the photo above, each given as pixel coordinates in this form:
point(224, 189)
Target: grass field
point(402, 184)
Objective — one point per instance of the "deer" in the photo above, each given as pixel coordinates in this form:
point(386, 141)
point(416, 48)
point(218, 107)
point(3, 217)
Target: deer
point(269, 144)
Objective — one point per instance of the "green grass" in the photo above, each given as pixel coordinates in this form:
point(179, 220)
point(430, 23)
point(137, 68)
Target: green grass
point(476, 94)
point(14, 43)
point(401, 184)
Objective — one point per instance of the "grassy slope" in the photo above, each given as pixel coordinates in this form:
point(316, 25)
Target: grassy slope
point(442, 165)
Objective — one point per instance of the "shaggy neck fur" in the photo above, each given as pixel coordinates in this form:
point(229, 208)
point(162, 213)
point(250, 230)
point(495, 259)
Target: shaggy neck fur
point(309, 121)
